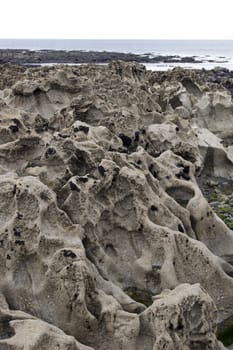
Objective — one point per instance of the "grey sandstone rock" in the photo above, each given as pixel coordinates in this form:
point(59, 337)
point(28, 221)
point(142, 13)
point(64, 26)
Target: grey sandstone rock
point(100, 210)
point(178, 320)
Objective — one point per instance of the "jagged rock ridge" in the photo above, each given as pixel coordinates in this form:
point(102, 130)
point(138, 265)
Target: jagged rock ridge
point(101, 212)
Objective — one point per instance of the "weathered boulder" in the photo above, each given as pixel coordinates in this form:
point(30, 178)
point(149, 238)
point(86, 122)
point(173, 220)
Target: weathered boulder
point(184, 318)
point(19, 330)
point(214, 111)
point(216, 159)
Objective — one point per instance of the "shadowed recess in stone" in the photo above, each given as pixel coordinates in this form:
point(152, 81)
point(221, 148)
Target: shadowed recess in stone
point(182, 195)
point(141, 296)
point(6, 331)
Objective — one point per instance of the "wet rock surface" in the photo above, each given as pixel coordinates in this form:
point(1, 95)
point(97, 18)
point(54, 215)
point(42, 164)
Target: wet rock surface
point(101, 211)
point(24, 56)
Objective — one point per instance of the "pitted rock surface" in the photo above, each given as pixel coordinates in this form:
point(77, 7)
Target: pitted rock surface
point(180, 319)
point(100, 209)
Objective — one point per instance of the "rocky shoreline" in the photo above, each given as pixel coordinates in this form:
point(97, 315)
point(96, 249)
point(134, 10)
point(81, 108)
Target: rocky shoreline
point(115, 207)
point(26, 57)
point(22, 57)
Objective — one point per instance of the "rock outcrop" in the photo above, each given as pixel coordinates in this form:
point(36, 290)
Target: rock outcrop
point(100, 209)
point(19, 330)
point(180, 319)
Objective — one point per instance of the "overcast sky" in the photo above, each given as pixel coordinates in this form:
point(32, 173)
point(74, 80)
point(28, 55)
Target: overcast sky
point(117, 19)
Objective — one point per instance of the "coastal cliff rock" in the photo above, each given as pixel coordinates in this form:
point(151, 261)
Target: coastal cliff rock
point(100, 209)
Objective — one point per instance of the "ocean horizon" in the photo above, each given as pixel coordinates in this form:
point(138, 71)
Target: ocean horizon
point(212, 53)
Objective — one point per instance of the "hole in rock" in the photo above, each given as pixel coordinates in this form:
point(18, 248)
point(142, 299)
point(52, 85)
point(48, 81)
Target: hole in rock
point(79, 163)
point(6, 331)
point(101, 170)
point(110, 250)
point(14, 128)
point(126, 140)
point(50, 152)
point(171, 327)
point(90, 249)
point(191, 87)
point(136, 136)
point(69, 253)
point(139, 295)
point(74, 187)
point(187, 155)
point(175, 102)
point(225, 332)
point(82, 128)
point(153, 170)
point(180, 228)
point(180, 194)
point(154, 208)
point(180, 325)
point(83, 179)
point(183, 175)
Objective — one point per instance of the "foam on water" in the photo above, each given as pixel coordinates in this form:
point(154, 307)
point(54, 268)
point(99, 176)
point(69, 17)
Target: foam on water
point(204, 64)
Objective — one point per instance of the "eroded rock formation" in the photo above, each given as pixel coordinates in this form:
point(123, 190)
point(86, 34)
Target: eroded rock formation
point(101, 212)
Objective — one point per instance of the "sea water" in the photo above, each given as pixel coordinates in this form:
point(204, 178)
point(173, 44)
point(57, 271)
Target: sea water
point(219, 52)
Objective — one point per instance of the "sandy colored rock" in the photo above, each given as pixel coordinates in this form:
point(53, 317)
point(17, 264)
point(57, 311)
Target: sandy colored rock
point(19, 330)
point(100, 210)
point(215, 111)
point(180, 319)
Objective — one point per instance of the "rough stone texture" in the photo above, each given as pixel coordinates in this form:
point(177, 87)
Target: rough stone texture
point(99, 206)
point(19, 330)
point(25, 56)
point(181, 319)
point(217, 160)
